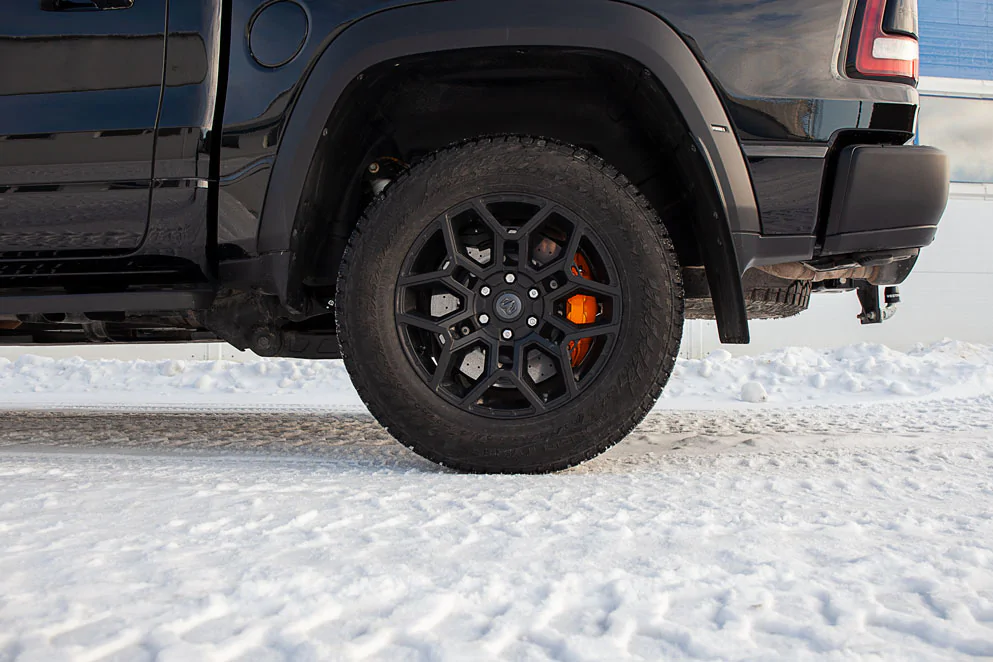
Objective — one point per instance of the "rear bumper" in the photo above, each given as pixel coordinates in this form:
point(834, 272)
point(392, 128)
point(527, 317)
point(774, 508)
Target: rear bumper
point(885, 198)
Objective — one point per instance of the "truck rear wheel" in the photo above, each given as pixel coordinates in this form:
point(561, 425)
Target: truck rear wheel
point(509, 305)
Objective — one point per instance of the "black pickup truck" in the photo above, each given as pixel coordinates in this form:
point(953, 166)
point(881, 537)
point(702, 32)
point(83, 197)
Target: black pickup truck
point(497, 213)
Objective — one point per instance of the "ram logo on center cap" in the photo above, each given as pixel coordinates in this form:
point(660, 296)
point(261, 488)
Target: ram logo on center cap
point(508, 306)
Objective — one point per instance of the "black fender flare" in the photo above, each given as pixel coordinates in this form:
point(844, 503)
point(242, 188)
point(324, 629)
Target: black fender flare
point(607, 26)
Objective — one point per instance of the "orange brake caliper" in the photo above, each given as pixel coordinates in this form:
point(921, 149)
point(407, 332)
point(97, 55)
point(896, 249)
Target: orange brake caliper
point(581, 309)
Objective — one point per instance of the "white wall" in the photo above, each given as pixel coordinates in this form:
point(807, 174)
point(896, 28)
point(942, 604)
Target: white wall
point(948, 295)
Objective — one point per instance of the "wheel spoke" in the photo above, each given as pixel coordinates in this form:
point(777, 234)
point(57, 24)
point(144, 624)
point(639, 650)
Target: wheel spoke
point(438, 277)
point(593, 331)
point(574, 283)
point(470, 265)
point(420, 322)
point(497, 253)
point(465, 341)
point(568, 376)
point(522, 380)
point(564, 358)
point(577, 331)
point(487, 217)
point(451, 245)
point(481, 387)
point(443, 369)
point(524, 232)
point(443, 279)
point(524, 388)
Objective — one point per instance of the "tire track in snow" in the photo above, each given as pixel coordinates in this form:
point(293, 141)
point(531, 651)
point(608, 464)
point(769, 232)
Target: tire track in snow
point(357, 437)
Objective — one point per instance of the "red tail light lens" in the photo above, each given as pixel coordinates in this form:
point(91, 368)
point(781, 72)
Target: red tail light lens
point(883, 54)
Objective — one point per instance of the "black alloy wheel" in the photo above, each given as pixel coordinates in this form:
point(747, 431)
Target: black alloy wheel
point(508, 305)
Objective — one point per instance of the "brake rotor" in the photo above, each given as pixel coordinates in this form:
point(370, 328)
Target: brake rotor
point(581, 309)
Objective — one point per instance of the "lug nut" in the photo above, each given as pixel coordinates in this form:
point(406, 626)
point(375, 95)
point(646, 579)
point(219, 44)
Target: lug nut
point(441, 338)
point(484, 318)
point(532, 321)
point(553, 284)
point(466, 330)
point(507, 334)
point(510, 278)
point(485, 290)
point(533, 293)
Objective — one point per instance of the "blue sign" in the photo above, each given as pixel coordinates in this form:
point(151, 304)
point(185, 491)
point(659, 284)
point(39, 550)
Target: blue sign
point(957, 38)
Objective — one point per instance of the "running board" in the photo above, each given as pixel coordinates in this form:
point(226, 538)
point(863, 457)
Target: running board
point(103, 302)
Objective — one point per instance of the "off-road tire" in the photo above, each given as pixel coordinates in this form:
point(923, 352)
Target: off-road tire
point(644, 350)
point(765, 302)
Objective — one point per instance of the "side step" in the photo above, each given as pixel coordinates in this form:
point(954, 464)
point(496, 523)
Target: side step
point(192, 298)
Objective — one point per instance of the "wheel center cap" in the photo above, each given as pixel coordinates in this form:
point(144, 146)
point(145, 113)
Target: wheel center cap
point(508, 306)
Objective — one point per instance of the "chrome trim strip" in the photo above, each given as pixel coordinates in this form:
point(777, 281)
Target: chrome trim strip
point(786, 151)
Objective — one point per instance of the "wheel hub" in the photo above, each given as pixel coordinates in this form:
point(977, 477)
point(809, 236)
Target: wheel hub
point(509, 307)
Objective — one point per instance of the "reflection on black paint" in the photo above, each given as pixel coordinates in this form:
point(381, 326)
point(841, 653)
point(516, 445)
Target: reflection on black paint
point(78, 99)
point(81, 63)
point(787, 190)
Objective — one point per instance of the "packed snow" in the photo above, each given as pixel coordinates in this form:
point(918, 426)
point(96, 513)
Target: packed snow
point(856, 374)
point(261, 514)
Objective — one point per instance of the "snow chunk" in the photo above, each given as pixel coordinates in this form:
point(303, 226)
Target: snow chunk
point(753, 392)
point(899, 388)
point(720, 356)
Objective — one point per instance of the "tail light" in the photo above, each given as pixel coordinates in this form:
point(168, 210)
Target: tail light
point(885, 46)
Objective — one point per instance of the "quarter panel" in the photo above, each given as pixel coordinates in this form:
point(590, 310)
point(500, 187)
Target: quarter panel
point(257, 106)
point(777, 64)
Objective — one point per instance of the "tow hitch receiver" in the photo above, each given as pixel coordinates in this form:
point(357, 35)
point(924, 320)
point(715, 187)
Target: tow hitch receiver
point(872, 313)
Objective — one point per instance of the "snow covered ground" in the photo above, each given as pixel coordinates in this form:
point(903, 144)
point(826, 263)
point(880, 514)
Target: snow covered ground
point(856, 374)
point(250, 513)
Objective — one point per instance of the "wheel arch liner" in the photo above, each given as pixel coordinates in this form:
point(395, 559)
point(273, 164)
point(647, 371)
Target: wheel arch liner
point(606, 26)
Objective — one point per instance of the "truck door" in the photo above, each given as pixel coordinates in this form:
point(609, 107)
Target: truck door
point(80, 82)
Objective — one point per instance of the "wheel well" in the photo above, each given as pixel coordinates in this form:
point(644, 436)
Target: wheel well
point(399, 111)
